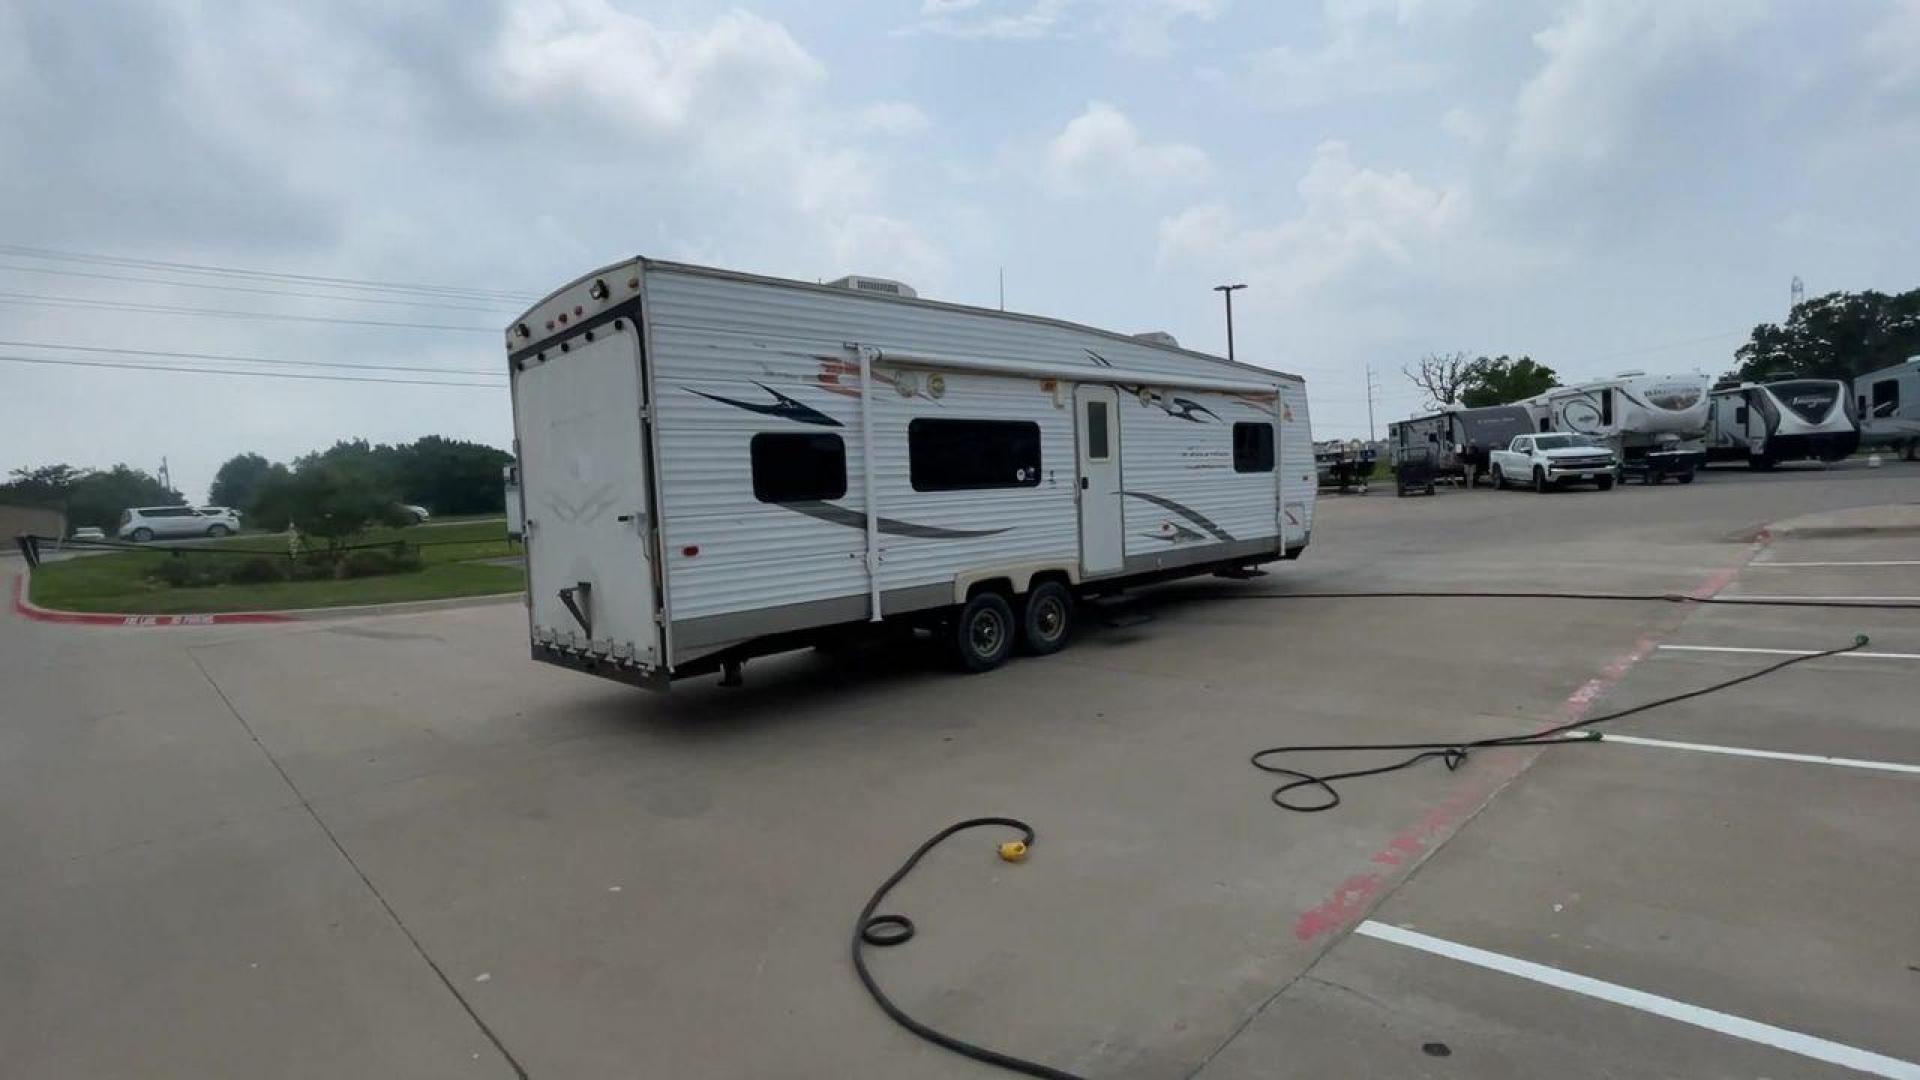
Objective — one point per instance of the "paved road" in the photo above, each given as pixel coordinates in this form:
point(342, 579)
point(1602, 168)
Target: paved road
point(394, 846)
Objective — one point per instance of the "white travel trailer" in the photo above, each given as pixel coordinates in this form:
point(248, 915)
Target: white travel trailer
point(1655, 424)
point(1793, 420)
point(716, 466)
point(1888, 404)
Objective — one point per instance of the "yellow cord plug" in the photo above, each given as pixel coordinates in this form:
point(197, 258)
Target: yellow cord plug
point(1014, 851)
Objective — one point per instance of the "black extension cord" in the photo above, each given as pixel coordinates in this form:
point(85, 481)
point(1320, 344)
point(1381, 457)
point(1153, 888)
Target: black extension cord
point(885, 931)
point(1671, 598)
point(1455, 752)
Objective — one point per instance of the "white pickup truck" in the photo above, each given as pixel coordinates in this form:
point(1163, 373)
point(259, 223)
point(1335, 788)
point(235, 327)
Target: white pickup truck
point(1551, 460)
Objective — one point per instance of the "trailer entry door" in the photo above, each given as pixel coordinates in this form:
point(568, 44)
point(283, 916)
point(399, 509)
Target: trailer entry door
point(583, 480)
point(1102, 547)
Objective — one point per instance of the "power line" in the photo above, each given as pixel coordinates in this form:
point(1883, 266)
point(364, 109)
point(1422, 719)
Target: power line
point(245, 289)
point(248, 359)
point(456, 291)
point(38, 299)
point(228, 371)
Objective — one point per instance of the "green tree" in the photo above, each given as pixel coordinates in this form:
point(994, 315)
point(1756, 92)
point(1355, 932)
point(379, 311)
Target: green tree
point(89, 496)
point(1836, 336)
point(330, 503)
point(237, 481)
point(1502, 380)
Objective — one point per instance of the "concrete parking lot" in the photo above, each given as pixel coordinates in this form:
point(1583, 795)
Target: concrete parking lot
point(394, 846)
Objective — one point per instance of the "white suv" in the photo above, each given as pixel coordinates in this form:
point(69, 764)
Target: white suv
point(143, 523)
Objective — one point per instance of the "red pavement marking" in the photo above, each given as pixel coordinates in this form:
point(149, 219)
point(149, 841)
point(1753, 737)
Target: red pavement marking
point(26, 609)
point(1354, 896)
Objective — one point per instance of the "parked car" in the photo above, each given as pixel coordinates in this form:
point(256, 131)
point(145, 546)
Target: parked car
point(89, 532)
point(143, 523)
point(1552, 460)
point(417, 514)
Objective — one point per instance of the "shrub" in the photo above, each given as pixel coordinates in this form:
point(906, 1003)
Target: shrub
point(178, 573)
point(312, 569)
point(259, 570)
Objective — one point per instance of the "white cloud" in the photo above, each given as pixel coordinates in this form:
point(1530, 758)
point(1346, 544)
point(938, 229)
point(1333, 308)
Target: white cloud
point(1101, 147)
point(1351, 217)
point(1136, 27)
point(892, 118)
point(882, 246)
point(1603, 59)
point(1465, 125)
point(1892, 47)
point(1145, 27)
point(564, 54)
point(1363, 54)
point(1021, 20)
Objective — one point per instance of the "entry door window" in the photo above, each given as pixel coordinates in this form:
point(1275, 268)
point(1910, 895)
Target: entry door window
point(1097, 431)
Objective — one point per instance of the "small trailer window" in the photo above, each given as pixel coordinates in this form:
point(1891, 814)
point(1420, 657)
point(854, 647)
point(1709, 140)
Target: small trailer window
point(1097, 449)
point(1253, 447)
point(967, 455)
point(798, 467)
point(1886, 398)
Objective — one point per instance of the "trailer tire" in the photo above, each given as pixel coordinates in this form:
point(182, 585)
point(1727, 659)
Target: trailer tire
point(982, 633)
point(1046, 623)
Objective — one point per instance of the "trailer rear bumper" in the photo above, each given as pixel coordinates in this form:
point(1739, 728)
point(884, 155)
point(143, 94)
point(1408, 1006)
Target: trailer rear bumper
point(604, 666)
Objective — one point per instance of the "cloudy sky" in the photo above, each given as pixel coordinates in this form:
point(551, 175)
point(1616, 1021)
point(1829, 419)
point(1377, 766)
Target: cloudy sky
point(1603, 184)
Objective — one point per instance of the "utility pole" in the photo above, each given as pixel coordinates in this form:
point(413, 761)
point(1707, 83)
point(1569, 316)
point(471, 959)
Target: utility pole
point(1227, 291)
point(166, 478)
point(1372, 388)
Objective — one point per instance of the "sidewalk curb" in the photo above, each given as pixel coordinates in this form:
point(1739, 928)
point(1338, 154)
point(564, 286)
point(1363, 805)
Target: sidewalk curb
point(27, 609)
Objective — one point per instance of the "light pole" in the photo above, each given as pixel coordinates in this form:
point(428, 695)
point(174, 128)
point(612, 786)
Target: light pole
point(1227, 291)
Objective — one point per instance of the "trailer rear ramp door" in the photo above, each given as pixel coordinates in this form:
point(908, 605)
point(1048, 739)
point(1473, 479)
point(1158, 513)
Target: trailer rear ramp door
point(583, 467)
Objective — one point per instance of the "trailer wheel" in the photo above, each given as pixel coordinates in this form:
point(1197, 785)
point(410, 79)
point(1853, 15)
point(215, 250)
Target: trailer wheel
point(1047, 622)
point(982, 634)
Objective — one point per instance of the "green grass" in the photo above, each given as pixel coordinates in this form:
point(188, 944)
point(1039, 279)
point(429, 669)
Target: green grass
point(122, 582)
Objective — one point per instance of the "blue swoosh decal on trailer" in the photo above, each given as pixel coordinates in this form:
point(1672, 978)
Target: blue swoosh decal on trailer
point(784, 407)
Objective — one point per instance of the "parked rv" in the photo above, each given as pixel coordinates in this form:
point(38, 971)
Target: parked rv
point(715, 466)
point(1793, 420)
point(1456, 442)
point(1655, 424)
point(1888, 405)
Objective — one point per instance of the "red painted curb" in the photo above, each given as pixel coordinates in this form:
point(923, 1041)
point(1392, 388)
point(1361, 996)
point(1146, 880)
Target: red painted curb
point(26, 609)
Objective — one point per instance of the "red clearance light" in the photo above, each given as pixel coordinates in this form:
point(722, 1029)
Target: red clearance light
point(578, 310)
point(563, 318)
point(690, 550)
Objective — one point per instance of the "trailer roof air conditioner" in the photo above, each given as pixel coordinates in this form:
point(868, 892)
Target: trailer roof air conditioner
point(883, 286)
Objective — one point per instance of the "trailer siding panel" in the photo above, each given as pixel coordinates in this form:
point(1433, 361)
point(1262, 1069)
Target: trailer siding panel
point(778, 355)
point(1299, 481)
point(1177, 475)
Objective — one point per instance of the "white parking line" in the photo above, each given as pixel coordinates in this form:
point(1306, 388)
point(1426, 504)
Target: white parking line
point(1771, 755)
point(1863, 562)
point(1793, 1042)
point(1791, 652)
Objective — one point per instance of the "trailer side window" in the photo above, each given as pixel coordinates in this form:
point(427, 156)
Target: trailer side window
point(1606, 407)
point(798, 467)
point(1252, 447)
point(1886, 397)
point(968, 455)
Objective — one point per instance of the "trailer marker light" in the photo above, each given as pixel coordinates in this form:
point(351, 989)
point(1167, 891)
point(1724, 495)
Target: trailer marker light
point(577, 310)
point(691, 550)
point(598, 291)
point(549, 324)
point(523, 331)
point(563, 318)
